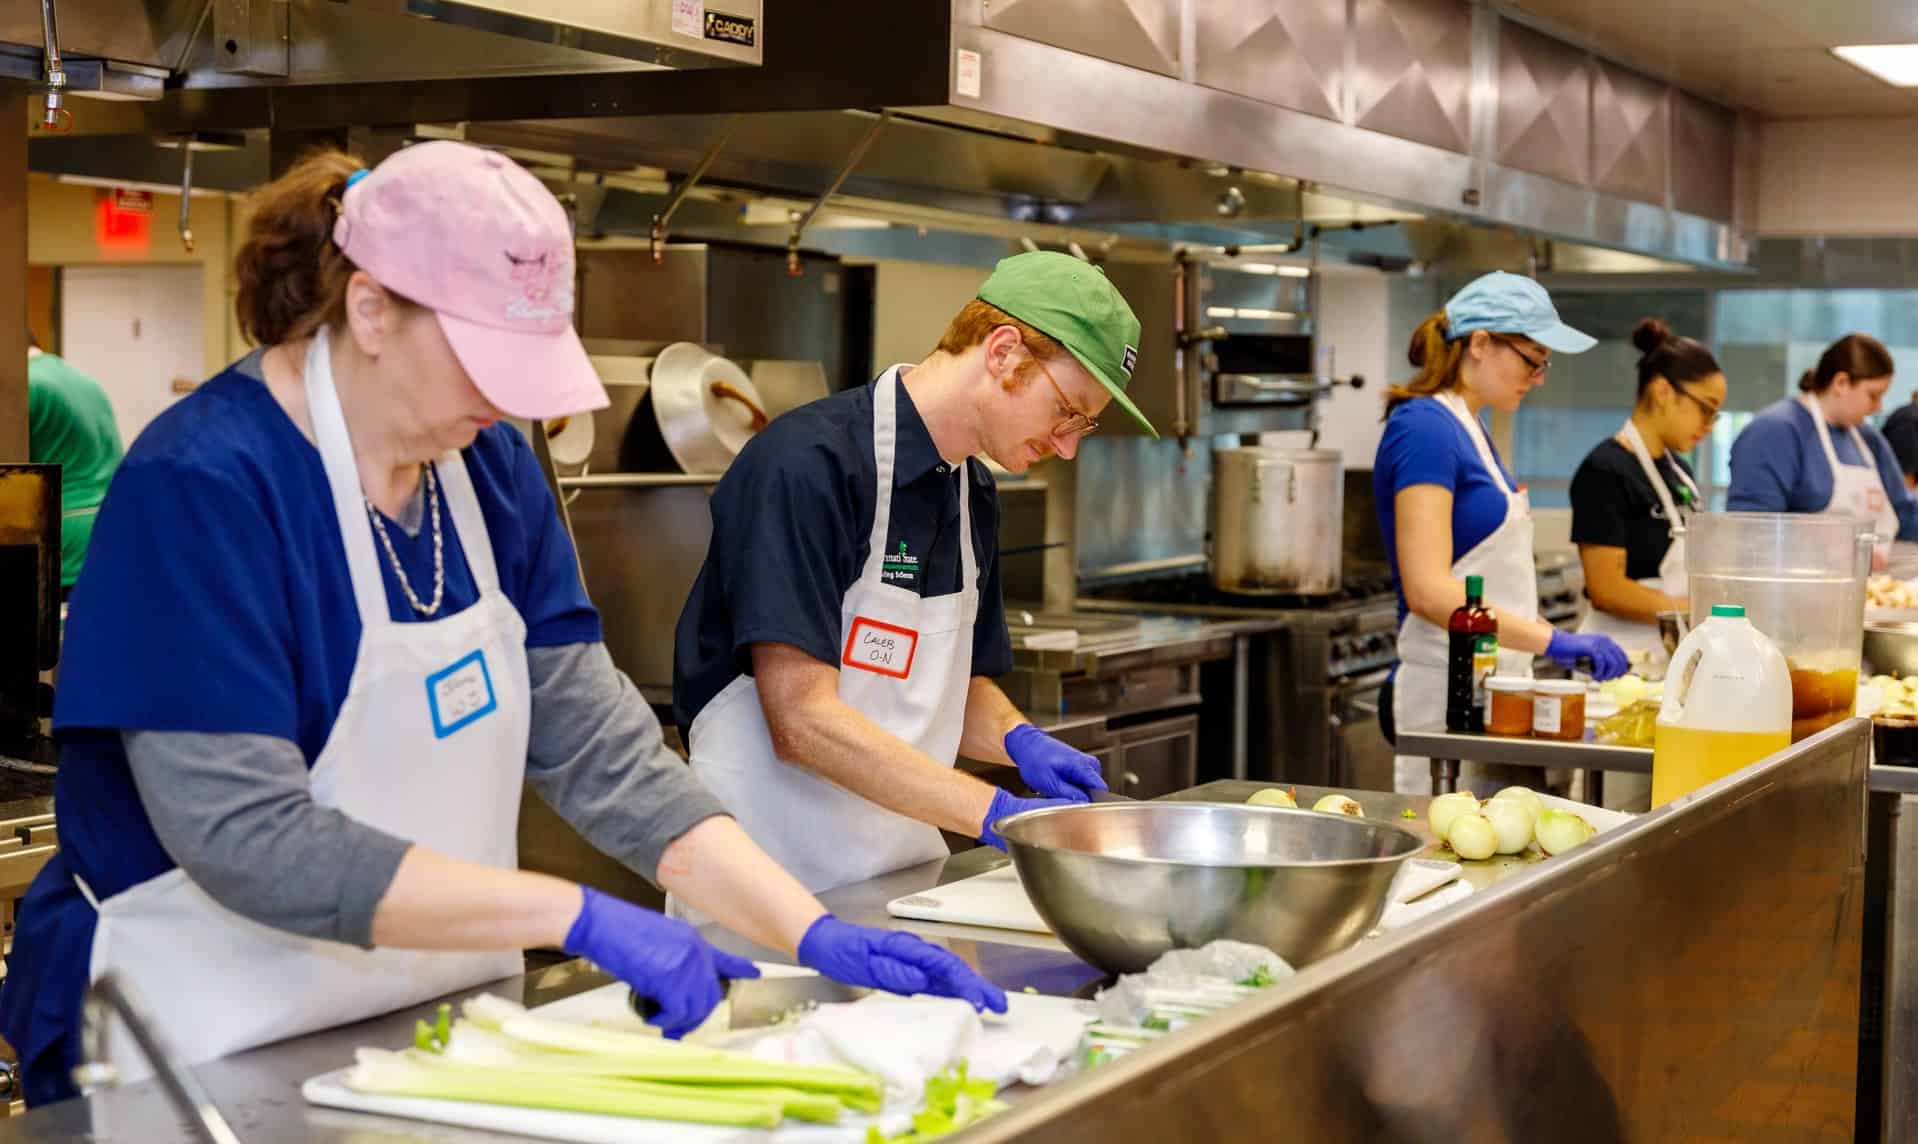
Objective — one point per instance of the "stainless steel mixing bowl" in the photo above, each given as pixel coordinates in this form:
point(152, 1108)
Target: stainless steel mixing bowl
point(1122, 883)
point(1891, 648)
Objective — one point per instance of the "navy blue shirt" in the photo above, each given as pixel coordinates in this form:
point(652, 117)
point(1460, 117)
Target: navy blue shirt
point(792, 523)
point(1424, 444)
point(216, 597)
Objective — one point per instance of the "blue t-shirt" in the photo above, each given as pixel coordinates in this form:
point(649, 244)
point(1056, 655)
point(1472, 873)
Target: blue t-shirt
point(792, 523)
point(1779, 466)
point(1424, 444)
point(216, 598)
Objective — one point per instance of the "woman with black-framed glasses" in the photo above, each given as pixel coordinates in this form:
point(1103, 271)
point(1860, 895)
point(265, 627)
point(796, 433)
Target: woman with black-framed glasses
point(1449, 508)
point(1633, 492)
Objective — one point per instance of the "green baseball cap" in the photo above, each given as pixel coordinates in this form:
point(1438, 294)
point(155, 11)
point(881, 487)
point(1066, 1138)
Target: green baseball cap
point(1073, 303)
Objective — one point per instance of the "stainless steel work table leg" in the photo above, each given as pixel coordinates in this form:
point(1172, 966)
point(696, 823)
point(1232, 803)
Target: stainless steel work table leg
point(1444, 776)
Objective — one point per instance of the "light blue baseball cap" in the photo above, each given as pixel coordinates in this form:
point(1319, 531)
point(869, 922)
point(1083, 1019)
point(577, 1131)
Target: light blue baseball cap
point(1502, 303)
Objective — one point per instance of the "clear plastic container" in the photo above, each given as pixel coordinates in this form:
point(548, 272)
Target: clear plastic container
point(1509, 711)
point(1801, 580)
point(1558, 710)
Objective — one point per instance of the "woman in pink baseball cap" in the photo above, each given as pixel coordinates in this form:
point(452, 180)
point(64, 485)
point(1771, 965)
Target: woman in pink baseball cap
point(330, 623)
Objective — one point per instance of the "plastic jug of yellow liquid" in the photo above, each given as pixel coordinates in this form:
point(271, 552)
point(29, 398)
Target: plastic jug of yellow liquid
point(1727, 704)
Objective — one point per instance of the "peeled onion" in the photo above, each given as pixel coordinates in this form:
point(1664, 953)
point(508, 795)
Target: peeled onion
point(1445, 810)
point(1339, 804)
point(1473, 837)
point(1273, 796)
point(1511, 824)
point(1525, 795)
point(1561, 830)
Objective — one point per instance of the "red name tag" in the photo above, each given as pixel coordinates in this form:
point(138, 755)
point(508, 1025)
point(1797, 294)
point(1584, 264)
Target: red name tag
point(880, 647)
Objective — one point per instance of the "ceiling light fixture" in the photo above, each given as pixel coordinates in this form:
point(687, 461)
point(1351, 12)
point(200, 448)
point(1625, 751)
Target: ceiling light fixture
point(1896, 64)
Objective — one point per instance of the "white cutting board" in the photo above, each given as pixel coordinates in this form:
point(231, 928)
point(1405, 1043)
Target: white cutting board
point(994, 899)
point(606, 1007)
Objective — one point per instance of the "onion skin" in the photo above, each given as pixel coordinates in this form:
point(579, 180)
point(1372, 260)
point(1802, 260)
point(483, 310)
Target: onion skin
point(1339, 804)
point(1473, 837)
point(1561, 830)
point(1524, 795)
point(1511, 822)
point(1445, 810)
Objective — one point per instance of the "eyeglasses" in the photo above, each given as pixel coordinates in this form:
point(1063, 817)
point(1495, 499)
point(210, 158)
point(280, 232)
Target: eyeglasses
point(1538, 365)
point(1706, 408)
point(1076, 424)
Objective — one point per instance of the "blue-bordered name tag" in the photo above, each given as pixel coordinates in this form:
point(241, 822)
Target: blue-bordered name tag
point(459, 694)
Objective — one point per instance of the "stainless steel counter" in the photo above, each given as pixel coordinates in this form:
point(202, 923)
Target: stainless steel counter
point(1687, 974)
point(1447, 750)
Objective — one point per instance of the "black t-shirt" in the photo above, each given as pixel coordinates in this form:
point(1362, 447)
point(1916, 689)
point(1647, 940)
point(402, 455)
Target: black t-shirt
point(1614, 505)
point(1901, 429)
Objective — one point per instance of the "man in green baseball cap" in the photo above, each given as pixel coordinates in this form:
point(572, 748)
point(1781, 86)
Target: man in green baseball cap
point(836, 654)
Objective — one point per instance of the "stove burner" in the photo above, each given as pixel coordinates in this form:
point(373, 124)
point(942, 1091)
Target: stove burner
point(1195, 588)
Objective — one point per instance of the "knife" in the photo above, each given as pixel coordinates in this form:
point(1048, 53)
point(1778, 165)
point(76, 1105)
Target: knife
point(1111, 796)
point(757, 1002)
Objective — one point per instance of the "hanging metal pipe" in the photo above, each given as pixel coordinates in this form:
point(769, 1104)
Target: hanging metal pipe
point(186, 196)
point(799, 225)
point(665, 215)
point(54, 72)
point(104, 999)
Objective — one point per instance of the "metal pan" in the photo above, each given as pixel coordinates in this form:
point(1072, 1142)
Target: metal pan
point(698, 412)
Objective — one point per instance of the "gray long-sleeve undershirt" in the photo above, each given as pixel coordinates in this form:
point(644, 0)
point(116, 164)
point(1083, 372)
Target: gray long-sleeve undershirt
point(237, 813)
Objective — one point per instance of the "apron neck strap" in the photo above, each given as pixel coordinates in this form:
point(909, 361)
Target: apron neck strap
point(885, 446)
point(349, 502)
point(1476, 431)
point(1635, 441)
point(1817, 411)
point(343, 478)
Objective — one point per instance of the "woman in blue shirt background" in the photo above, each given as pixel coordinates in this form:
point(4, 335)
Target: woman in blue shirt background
point(1448, 507)
point(1815, 453)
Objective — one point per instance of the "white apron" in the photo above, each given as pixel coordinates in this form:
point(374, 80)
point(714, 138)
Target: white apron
point(1856, 490)
point(1671, 579)
point(906, 665)
point(1505, 560)
point(430, 745)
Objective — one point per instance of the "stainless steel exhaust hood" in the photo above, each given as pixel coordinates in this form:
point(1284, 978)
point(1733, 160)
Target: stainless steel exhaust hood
point(249, 43)
point(1441, 108)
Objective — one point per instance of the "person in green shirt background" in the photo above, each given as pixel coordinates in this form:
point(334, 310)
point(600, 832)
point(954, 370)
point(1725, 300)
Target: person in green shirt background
point(70, 423)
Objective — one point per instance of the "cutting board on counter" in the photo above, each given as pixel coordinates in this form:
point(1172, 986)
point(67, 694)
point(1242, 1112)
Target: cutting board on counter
point(994, 899)
point(1030, 1016)
point(605, 1007)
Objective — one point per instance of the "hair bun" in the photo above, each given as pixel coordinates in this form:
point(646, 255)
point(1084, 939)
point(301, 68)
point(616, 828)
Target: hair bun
point(1650, 333)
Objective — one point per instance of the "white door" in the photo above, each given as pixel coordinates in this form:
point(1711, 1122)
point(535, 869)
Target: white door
point(134, 329)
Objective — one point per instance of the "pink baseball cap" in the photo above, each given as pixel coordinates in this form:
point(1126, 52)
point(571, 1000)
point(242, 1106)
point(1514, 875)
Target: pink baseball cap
point(472, 236)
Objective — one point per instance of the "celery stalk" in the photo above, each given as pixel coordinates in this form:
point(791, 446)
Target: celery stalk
point(417, 1074)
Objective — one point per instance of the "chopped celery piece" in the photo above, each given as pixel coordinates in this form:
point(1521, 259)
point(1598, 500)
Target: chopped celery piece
point(416, 1073)
point(953, 1101)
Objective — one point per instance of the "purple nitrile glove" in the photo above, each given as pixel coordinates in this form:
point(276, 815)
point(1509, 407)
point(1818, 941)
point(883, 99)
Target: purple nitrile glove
point(1052, 768)
point(1608, 659)
point(660, 957)
point(1005, 805)
point(894, 961)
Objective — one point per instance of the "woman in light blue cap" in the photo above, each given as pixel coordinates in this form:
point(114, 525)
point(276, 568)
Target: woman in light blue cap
point(1449, 508)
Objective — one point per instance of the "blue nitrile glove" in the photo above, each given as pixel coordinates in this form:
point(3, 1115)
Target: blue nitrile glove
point(1052, 768)
point(660, 957)
point(894, 961)
point(1005, 805)
point(1608, 659)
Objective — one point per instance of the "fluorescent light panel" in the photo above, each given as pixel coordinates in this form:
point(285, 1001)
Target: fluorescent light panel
point(1896, 64)
point(1274, 268)
point(1248, 312)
